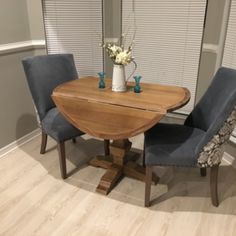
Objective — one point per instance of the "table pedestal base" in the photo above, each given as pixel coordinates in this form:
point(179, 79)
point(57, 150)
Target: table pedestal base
point(120, 163)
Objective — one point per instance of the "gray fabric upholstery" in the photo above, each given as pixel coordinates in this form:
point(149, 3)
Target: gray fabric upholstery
point(205, 121)
point(215, 106)
point(43, 74)
point(58, 127)
point(172, 144)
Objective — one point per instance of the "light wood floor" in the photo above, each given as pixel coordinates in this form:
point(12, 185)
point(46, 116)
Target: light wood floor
point(35, 201)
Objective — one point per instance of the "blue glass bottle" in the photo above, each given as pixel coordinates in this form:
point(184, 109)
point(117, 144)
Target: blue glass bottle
point(101, 83)
point(137, 88)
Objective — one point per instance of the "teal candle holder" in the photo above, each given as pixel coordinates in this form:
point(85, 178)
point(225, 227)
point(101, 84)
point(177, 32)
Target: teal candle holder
point(137, 88)
point(101, 83)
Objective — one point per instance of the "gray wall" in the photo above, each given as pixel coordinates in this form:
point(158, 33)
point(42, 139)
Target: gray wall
point(17, 116)
point(213, 21)
point(211, 36)
point(35, 19)
point(14, 26)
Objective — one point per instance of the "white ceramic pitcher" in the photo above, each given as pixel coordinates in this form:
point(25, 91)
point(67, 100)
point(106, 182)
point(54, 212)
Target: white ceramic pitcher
point(119, 81)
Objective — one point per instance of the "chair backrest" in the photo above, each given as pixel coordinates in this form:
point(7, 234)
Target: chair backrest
point(215, 106)
point(46, 72)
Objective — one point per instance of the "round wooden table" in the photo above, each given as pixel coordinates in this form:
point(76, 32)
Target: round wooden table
point(116, 116)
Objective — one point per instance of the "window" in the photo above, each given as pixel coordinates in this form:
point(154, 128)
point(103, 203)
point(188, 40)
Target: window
point(168, 40)
point(75, 27)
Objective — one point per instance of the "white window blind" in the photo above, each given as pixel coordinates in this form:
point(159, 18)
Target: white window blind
point(75, 27)
point(168, 40)
point(229, 55)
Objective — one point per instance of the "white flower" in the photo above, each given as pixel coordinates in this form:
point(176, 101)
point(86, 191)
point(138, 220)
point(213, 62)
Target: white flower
point(115, 49)
point(118, 54)
point(123, 57)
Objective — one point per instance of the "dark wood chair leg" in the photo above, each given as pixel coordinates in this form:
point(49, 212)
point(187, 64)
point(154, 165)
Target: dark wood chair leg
point(106, 147)
point(148, 182)
point(74, 140)
point(143, 156)
point(43, 143)
point(203, 172)
point(213, 185)
point(62, 159)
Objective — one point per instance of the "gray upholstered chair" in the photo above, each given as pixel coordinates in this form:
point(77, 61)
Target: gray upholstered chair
point(43, 74)
point(199, 142)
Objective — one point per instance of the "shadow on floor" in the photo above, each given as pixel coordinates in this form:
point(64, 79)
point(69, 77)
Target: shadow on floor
point(179, 189)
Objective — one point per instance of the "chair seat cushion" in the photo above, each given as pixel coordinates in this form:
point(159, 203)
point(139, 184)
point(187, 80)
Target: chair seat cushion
point(172, 144)
point(55, 125)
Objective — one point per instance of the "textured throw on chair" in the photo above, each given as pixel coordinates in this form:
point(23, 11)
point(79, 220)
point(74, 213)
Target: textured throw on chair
point(212, 153)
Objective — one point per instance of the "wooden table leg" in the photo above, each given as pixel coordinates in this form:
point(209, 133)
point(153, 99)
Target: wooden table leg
point(120, 163)
point(109, 179)
point(118, 149)
point(102, 161)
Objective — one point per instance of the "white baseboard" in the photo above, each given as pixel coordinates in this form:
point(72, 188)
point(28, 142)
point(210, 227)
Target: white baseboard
point(12, 146)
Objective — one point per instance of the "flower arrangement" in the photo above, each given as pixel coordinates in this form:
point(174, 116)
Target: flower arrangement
point(118, 54)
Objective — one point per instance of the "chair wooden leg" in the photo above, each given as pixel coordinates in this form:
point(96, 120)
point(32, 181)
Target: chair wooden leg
point(143, 159)
point(106, 147)
point(43, 143)
point(143, 156)
point(62, 159)
point(148, 182)
point(203, 172)
point(213, 185)
point(74, 140)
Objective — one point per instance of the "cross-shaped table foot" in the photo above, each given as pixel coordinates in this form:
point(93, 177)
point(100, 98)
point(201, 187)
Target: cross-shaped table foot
point(120, 163)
